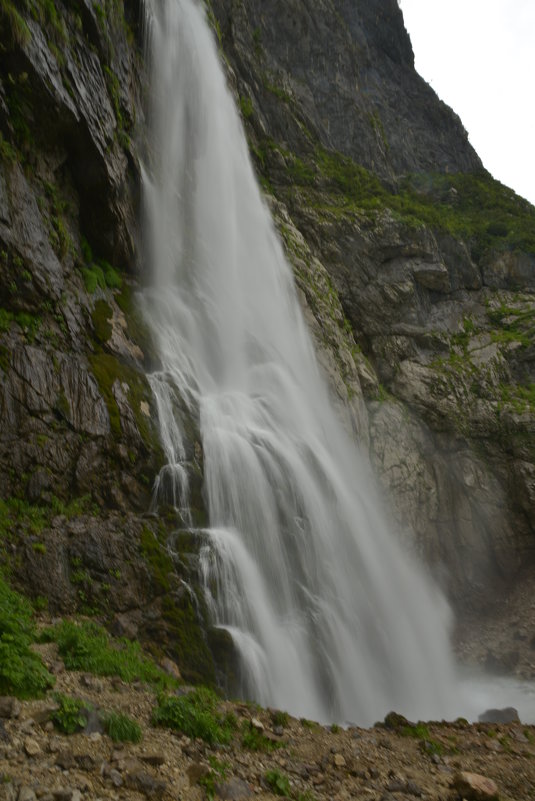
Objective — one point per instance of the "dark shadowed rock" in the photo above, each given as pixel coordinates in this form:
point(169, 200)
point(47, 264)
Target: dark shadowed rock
point(507, 715)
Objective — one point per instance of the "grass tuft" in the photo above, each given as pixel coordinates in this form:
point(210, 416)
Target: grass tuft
point(194, 714)
point(121, 728)
point(278, 782)
point(22, 672)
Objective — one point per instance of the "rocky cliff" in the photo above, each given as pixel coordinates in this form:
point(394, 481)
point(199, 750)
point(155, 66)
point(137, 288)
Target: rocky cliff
point(79, 446)
point(416, 271)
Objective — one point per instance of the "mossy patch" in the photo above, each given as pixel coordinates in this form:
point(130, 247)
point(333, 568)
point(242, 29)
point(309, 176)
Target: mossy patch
point(184, 617)
point(138, 330)
point(157, 557)
point(182, 611)
point(107, 369)
point(101, 317)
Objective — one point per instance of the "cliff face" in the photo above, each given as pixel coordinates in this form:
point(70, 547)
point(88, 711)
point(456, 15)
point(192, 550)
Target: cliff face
point(79, 446)
point(349, 69)
point(416, 272)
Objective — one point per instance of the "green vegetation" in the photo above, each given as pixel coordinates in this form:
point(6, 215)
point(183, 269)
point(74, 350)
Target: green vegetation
point(19, 32)
point(278, 782)
point(279, 718)
point(472, 206)
point(29, 323)
point(246, 107)
point(71, 715)
point(60, 238)
point(87, 646)
point(22, 672)
point(254, 740)
point(97, 273)
point(100, 274)
point(218, 771)
point(138, 330)
point(7, 151)
point(5, 320)
point(214, 22)
point(101, 317)
point(420, 732)
point(156, 555)
point(194, 714)
point(114, 90)
point(282, 94)
point(45, 12)
point(521, 398)
point(513, 323)
point(107, 369)
point(121, 728)
point(32, 519)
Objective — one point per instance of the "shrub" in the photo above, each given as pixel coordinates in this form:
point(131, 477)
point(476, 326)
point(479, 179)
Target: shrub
point(194, 714)
point(22, 672)
point(71, 716)
point(278, 782)
point(121, 728)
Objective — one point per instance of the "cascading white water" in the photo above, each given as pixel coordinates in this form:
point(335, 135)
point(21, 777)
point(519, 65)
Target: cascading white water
point(330, 618)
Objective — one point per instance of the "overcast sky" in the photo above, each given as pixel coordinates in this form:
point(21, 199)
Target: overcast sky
point(479, 57)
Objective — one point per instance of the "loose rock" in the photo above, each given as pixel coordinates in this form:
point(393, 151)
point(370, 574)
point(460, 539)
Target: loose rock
point(473, 787)
point(31, 747)
point(9, 707)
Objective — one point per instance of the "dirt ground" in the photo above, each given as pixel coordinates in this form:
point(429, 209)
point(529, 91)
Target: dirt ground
point(310, 762)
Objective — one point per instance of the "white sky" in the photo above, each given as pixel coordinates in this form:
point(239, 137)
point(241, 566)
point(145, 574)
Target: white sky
point(479, 57)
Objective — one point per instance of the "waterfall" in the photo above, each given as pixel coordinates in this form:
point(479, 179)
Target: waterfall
point(330, 618)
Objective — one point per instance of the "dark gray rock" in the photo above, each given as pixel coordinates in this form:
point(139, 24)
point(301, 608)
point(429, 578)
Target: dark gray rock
point(509, 270)
point(144, 783)
point(233, 790)
point(507, 715)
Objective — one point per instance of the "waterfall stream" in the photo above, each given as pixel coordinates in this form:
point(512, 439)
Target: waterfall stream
point(330, 618)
